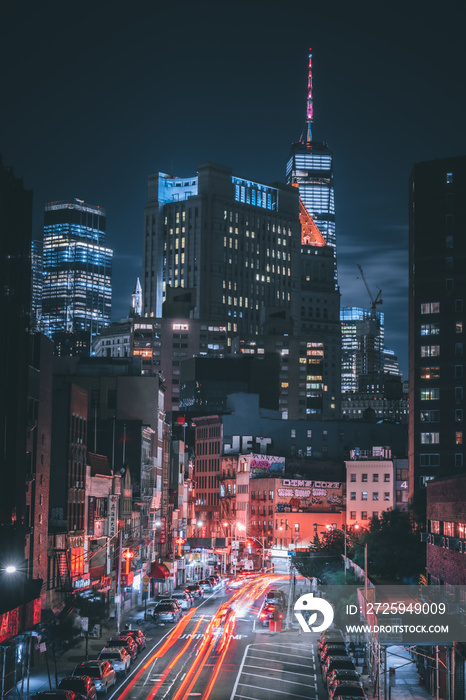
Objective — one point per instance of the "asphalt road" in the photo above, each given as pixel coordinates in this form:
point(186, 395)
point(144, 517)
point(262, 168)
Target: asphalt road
point(218, 651)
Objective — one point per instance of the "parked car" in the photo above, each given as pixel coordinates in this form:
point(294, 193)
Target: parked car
point(101, 672)
point(333, 649)
point(341, 674)
point(329, 636)
point(340, 662)
point(83, 686)
point(184, 600)
point(166, 612)
point(139, 637)
point(195, 590)
point(118, 657)
point(124, 640)
point(55, 694)
point(206, 585)
point(347, 689)
point(275, 595)
point(268, 611)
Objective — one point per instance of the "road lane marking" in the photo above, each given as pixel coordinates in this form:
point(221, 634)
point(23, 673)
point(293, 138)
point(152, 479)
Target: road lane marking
point(239, 672)
point(283, 670)
point(279, 680)
point(291, 663)
point(274, 690)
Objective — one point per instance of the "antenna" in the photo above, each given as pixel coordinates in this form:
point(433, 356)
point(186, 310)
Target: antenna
point(310, 104)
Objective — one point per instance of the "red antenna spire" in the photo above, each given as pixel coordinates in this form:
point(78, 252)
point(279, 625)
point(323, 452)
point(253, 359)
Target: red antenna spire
point(310, 105)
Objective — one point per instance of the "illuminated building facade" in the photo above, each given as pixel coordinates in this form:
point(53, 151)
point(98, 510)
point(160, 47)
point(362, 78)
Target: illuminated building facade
point(235, 241)
point(437, 304)
point(77, 287)
point(362, 340)
point(310, 166)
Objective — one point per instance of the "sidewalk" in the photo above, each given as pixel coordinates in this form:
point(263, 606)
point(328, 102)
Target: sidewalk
point(39, 675)
point(404, 681)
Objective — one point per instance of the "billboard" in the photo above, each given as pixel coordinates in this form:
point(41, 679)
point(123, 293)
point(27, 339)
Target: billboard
point(309, 496)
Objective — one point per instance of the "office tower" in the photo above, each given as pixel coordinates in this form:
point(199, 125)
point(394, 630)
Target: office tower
point(310, 169)
point(310, 166)
point(235, 241)
point(362, 340)
point(437, 303)
point(36, 284)
point(77, 289)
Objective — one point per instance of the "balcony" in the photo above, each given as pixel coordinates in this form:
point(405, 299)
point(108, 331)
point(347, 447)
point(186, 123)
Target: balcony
point(456, 544)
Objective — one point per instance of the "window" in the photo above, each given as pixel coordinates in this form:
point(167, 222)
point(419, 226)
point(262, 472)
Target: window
point(293, 433)
point(386, 478)
point(402, 496)
point(459, 437)
point(401, 474)
point(449, 529)
point(353, 477)
point(459, 415)
point(458, 305)
point(375, 477)
point(430, 438)
point(309, 434)
point(364, 515)
point(431, 308)
point(430, 350)
point(375, 513)
point(459, 393)
point(430, 372)
point(449, 178)
point(353, 496)
point(430, 394)
point(375, 496)
point(364, 496)
point(434, 527)
point(430, 328)
point(352, 515)
point(459, 459)
point(459, 327)
point(458, 349)
point(429, 460)
point(458, 371)
point(363, 477)
point(386, 496)
point(430, 416)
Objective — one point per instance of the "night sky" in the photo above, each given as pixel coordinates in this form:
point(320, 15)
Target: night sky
point(95, 96)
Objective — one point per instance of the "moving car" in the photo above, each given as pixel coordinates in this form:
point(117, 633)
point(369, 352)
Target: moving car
point(101, 672)
point(118, 657)
point(268, 611)
point(206, 585)
point(234, 584)
point(55, 694)
point(125, 641)
point(275, 595)
point(166, 612)
point(195, 590)
point(139, 637)
point(83, 686)
point(184, 600)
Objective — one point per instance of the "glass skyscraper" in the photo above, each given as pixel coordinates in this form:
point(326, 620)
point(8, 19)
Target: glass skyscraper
point(77, 268)
point(362, 340)
point(310, 166)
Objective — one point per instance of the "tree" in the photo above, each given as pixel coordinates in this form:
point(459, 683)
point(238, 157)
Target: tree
point(394, 549)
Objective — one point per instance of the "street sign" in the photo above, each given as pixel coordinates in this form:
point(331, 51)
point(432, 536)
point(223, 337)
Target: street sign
point(291, 553)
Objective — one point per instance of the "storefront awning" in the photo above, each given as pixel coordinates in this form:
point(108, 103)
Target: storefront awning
point(159, 571)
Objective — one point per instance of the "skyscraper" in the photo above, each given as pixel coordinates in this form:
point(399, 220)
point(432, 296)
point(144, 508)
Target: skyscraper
point(77, 288)
point(362, 339)
point(437, 322)
point(235, 241)
point(310, 166)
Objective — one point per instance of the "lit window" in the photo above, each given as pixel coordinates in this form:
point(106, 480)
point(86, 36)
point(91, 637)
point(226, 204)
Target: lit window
point(430, 372)
point(459, 327)
point(459, 438)
point(430, 350)
point(449, 178)
point(430, 394)
point(430, 329)
point(430, 308)
point(430, 438)
point(364, 496)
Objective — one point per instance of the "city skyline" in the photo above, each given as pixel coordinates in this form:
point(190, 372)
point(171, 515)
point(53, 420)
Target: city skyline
point(134, 98)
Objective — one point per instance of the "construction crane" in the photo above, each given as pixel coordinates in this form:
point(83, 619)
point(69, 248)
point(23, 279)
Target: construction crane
point(378, 299)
